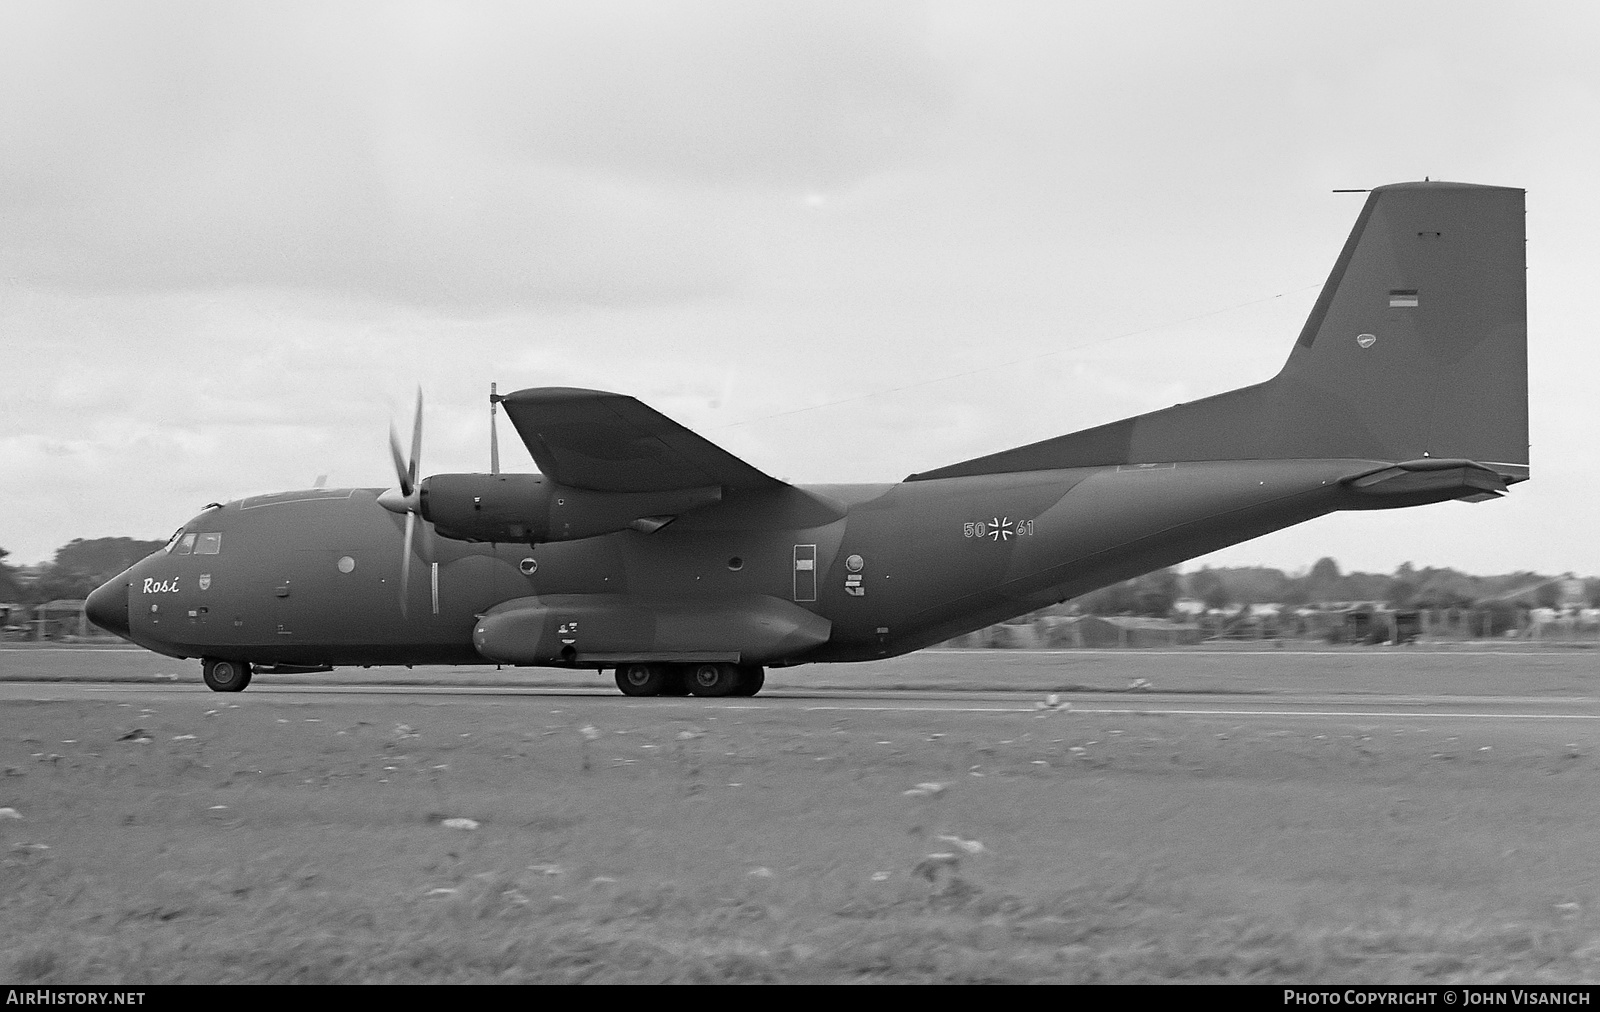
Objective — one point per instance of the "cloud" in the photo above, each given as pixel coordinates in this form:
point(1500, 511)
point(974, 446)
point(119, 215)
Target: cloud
point(718, 94)
point(441, 154)
point(234, 237)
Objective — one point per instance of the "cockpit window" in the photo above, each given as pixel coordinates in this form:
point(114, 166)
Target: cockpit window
point(172, 540)
point(208, 544)
point(186, 544)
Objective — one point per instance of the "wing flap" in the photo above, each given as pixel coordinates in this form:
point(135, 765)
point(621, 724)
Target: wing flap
point(615, 443)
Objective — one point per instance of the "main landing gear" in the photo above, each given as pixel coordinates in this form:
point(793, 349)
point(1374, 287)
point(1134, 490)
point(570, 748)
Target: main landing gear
point(225, 675)
point(682, 679)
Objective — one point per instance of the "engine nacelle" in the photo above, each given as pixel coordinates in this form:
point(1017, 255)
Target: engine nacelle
point(531, 508)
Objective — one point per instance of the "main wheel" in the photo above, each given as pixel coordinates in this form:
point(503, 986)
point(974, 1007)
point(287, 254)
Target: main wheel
point(224, 675)
point(712, 679)
point(676, 680)
point(641, 679)
point(751, 679)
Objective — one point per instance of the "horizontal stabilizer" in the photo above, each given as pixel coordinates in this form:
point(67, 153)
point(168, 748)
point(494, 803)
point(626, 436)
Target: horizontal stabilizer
point(1432, 479)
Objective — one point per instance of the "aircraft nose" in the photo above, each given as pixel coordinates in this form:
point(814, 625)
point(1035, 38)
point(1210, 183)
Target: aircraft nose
point(107, 607)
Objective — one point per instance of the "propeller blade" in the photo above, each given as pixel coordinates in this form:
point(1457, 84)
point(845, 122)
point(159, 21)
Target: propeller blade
point(409, 502)
point(399, 462)
point(405, 565)
point(416, 442)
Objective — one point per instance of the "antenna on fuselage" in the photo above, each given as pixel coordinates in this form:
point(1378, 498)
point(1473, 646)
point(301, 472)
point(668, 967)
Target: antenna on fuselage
point(494, 441)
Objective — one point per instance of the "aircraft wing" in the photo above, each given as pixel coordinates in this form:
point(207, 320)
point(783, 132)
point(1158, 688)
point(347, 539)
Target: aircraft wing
point(614, 443)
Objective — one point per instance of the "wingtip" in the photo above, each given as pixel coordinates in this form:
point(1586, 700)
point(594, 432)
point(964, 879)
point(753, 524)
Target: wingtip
point(555, 395)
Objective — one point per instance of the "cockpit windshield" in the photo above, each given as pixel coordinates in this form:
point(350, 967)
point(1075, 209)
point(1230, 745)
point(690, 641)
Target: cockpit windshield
point(185, 541)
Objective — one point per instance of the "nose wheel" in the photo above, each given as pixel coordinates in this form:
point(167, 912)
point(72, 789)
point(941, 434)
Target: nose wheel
point(223, 675)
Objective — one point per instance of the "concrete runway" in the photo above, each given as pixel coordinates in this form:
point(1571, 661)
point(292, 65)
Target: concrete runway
point(1279, 704)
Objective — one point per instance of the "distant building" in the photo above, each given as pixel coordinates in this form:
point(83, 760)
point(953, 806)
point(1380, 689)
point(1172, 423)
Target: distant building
point(1574, 594)
point(1121, 631)
point(59, 619)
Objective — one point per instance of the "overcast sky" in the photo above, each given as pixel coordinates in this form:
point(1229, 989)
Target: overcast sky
point(847, 241)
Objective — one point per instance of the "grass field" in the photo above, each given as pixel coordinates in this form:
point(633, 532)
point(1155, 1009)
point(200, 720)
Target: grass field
point(171, 834)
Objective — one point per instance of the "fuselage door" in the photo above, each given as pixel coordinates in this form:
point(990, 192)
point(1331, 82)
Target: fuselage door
point(805, 572)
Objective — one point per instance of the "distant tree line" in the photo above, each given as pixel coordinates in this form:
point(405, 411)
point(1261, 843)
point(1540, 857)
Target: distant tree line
point(1155, 594)
point(1151, 594)
point(78, 568)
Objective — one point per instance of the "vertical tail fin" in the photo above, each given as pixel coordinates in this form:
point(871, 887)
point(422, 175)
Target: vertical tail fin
point(1417, 347)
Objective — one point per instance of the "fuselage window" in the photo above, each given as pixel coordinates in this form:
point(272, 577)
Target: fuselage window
point(209, 544)
point(186, 544)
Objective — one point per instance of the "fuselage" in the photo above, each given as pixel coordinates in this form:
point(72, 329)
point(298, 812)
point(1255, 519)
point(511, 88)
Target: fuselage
point(313, 577)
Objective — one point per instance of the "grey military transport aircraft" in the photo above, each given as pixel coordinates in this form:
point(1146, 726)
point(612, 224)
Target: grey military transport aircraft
point(644, 548)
